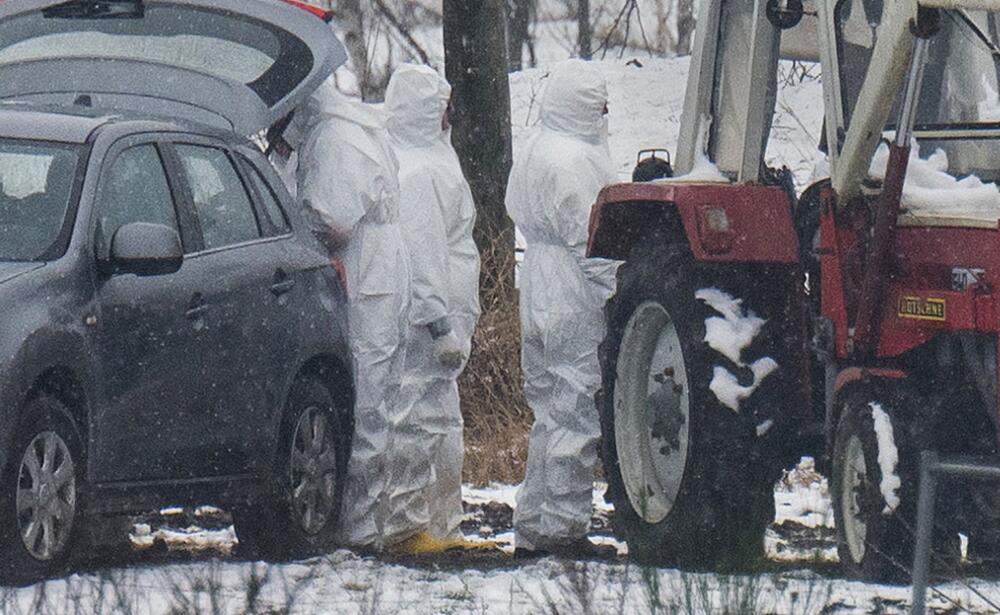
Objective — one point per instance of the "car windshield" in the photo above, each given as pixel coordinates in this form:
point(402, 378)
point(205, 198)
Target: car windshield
point(36, 186)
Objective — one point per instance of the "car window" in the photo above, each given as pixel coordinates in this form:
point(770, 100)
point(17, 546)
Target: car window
point(36, 183)
point(220, 199)
point(216, 56)
point(269, 201)
point(135, 190)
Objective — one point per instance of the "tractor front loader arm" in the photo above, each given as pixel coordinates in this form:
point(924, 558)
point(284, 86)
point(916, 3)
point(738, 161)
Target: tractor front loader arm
point(888, 205)
point(885, 78)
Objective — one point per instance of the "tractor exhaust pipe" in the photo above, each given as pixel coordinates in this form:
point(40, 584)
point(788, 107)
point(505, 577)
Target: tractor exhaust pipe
point(866, 325)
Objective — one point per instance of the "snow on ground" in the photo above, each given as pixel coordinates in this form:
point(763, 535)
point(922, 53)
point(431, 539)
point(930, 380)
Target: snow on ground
point(191, 538)
point(344, 583)
point(803, 518)
point(490, 510)
point(803, 496)
point(347, 583)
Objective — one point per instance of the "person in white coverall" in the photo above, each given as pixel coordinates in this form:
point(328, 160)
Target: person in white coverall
point(554, 181)
point(437, 215)
point(348, 187)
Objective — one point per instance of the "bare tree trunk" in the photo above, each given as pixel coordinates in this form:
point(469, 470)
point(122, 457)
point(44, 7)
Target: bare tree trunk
point(476, 65)
point(665, 39)
point(685, 25)
point(518, 20)
point(584, 29)
point(351, 14)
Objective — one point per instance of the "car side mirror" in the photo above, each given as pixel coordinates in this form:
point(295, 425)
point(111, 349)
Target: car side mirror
point(146, 249)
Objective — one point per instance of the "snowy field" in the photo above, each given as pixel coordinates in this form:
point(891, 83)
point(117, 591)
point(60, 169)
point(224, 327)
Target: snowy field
point(178, 567)
point(647, 98)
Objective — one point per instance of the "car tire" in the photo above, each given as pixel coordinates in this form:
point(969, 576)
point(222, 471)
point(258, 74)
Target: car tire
point(302, 516)
point(716, 502)
point(40, 520)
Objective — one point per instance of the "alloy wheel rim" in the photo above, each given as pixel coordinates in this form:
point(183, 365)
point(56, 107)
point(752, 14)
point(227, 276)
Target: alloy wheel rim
point(855, 484)
point(46, 496)
point(313, 471)
point(652, 412)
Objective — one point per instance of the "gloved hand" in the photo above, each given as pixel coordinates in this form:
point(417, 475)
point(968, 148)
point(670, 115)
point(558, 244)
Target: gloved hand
point(448, 351)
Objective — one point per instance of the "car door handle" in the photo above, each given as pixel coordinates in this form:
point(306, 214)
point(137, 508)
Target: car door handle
point(282, 284)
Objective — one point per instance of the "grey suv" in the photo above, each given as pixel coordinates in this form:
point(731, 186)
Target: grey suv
point(171, 331)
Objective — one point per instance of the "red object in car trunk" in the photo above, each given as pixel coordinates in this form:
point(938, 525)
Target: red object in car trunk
point(324, 14)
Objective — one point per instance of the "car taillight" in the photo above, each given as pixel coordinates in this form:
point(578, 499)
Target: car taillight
point(324, 14)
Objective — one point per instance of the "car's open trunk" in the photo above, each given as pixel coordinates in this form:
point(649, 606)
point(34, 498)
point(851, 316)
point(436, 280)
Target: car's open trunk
point(237, 64)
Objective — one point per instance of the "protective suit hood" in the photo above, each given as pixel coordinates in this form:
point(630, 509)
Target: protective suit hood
point(415, 103)
point(326, 102)
point(574, 101)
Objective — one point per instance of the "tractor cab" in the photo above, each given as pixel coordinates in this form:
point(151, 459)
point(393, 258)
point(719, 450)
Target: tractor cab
point(957, 109)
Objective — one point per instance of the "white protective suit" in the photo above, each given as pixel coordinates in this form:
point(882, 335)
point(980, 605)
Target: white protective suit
point(437, 214)
point(347, 183)
point(552, 186)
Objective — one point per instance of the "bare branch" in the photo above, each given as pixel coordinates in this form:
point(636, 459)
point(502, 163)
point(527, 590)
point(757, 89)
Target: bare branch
point(403, 30)
point(604, 46)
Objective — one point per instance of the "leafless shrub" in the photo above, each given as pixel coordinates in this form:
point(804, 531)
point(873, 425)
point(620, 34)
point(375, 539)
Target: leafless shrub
point(196, 591)
point(570, 590)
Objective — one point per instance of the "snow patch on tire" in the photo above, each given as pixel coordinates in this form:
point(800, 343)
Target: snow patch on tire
point(736, 329)
point(888, 458)
point(729, 336)
point(728, 389)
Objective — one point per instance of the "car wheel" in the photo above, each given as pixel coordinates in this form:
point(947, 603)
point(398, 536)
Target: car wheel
point(41, 487)
point(680, 464)
point(302, 517)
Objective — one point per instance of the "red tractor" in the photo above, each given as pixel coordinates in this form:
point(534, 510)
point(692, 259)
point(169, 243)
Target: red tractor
point(856, 322)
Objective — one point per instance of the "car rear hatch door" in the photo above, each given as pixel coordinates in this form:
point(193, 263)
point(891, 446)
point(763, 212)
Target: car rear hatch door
point(236, 64)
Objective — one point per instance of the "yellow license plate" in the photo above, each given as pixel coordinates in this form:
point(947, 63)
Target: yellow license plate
point(922, 308)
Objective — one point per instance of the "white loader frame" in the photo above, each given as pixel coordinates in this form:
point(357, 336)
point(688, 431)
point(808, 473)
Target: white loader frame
point(732, 85)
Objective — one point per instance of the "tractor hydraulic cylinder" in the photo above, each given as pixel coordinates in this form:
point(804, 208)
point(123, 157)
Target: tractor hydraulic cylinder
point(866, 324)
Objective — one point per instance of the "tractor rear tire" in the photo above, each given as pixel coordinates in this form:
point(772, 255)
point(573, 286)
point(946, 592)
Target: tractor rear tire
point(687, 486)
